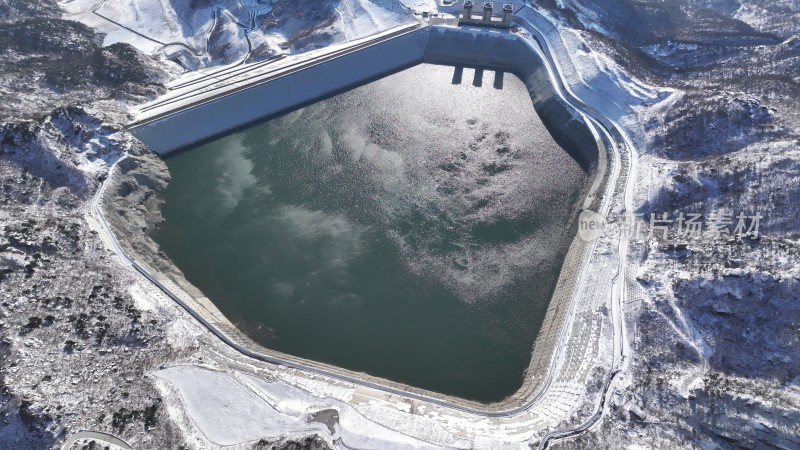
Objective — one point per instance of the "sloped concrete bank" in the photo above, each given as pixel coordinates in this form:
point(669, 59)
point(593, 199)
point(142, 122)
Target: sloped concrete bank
point(508, 52)
point(188, 118)
point(502, 51)
point(183, 118)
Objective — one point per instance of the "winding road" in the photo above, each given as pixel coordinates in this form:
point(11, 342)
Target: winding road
point(620, 143)
point(99, 436)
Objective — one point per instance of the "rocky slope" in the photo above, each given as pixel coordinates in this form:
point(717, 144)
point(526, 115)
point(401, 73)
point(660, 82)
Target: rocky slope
point(77, 334)
point(75, 343)
point(717, 338)
point(205, 33)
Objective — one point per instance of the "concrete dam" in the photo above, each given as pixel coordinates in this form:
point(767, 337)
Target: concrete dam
point(214, 103)
point(202, 106)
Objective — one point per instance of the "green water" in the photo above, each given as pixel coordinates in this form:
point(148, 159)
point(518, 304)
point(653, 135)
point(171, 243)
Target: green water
point(412, 228)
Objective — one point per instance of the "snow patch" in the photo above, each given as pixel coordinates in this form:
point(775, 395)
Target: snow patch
point(233, 408)
point(143, 301)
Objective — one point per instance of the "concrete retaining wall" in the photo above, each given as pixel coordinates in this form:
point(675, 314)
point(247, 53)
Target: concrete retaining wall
point(436, 45)
point(505, 51)
point(219, 115)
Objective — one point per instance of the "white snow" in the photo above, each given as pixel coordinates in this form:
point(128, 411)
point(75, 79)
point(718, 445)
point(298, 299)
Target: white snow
point(606, 76)
point(142, 300)
point(226, 411)
point(762, 19)
point(83, 11)
point(366, 18)
point(224, 31)
point(421, 6)
point(233, 408)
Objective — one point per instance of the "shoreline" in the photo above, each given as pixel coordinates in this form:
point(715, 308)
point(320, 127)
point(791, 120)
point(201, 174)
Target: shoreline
point(544, 352)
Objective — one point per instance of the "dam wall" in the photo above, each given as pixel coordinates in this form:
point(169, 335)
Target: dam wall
point(182, 126)
point(508, 52)
point(183, 122)
point(207, 118)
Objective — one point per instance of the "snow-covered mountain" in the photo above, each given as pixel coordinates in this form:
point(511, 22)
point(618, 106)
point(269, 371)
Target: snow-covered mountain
point(202, 33)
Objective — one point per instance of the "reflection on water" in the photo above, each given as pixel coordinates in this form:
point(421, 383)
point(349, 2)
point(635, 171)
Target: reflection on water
point(412, 228)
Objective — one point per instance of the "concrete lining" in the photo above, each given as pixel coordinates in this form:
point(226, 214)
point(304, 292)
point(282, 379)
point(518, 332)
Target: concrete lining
point(205, 108)
point(187, 124)
point(508, 52)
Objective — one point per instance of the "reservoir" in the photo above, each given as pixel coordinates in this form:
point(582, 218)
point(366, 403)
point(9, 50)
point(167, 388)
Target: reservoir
point(412, 228)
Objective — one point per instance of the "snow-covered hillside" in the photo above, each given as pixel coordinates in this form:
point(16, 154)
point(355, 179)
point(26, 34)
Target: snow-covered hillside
point(205, 33)
point(87, 344)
